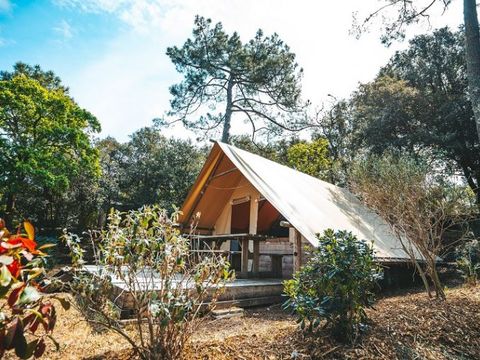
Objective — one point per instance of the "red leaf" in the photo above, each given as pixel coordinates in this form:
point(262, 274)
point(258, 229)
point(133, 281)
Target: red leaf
point(30, 245)
point(19, 341)
point(14, 295)
point(28, 320)
point(34, 326)
point(52, 320)
point(26, 243)
point(40, 349)
point(14, 268)
point(11, 243)
point(45, 308)
point(46, 311)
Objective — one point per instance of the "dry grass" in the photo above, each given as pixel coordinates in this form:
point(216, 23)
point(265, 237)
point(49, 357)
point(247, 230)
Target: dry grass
point(402, 327)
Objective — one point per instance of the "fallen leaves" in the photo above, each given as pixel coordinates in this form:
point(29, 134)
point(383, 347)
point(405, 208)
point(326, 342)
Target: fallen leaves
point(402, 327)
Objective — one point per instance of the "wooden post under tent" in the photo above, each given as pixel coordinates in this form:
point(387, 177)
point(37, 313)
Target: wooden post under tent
point(264, 215)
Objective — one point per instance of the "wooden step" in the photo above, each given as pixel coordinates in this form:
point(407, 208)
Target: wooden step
point(226, 313)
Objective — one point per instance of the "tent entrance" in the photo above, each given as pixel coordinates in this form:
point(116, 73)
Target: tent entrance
point(239, 224)
point(240, 221)
point(268, 220)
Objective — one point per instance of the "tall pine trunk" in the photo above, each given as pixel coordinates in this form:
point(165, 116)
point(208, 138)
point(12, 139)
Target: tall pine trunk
point(472, 47)
point(9, 210)
point(228, 112)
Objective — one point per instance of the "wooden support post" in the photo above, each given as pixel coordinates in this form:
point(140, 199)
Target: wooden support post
point(256, 256)
point(253, 216)
point(296, 238)
point(244, 256)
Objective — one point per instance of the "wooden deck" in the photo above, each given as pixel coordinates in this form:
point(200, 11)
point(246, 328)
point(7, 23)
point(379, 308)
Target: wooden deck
point(251, 292)
point(240, 292)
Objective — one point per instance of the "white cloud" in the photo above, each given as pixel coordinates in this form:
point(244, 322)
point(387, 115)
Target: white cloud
point(6, 42)
point(64, 29)
point(94, 6)
point(5, 6)
point(128, 83)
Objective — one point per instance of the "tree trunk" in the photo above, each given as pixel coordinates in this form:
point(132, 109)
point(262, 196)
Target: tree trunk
point(472, 181)
point(228, 112)
point(10, 208)
point(421, 272)
point(437, 284)
point(472, 47)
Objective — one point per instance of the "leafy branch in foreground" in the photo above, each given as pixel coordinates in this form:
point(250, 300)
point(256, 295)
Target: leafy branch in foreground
point(24, 311)
point(163, 283)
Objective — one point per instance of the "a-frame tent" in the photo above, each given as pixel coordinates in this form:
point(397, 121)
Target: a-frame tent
point(310, 205)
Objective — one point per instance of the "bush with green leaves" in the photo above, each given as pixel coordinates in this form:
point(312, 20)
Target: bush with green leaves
point(27, 315)
point(335, 286)
point(144, 263)
point(468, 260)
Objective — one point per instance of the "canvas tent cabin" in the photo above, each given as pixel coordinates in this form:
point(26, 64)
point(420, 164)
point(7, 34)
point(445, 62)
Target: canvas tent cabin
point(243, 200)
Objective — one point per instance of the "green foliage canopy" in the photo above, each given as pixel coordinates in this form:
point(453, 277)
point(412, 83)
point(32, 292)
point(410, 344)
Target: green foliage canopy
point(468, 260)
point(312, 158)
point(223, 76)
point(44, 135)
point(157, 170)
point(419, 104)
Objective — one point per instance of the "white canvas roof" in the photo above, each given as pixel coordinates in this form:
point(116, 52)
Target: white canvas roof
point(309, 204)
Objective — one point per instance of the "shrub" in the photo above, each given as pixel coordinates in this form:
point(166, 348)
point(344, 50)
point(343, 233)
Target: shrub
point(468, 260)
point(164, 284)
point(27, 318)
point(418, 205)
point(335, 285)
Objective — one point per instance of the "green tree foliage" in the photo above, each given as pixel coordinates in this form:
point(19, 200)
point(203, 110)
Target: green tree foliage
point(147, 169)
point(409, 12)
point(468, 260)
point(47, 79)
point(44, 136)
point(175, 284)
point(337, 284)
point(259, 80)
point(113, 162)
point(272, 150)
point(419, 104)
point(157, 170)
point(334, 123)
point(383, 109)
point(312, 158)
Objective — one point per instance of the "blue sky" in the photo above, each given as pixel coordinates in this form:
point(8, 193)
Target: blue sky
point(56, 37)
point(111, 53)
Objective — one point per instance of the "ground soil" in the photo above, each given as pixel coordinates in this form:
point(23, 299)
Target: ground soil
point(406, 326)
